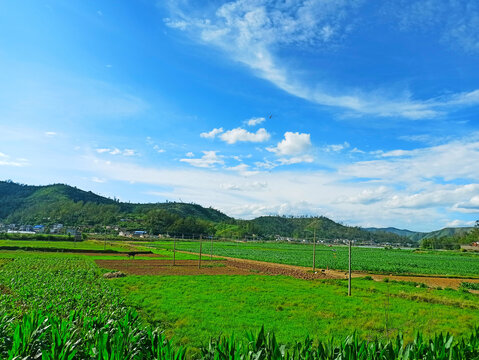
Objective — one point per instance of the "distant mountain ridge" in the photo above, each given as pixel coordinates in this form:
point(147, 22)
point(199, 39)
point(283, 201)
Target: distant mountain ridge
point(60, 203)
point(417, 236)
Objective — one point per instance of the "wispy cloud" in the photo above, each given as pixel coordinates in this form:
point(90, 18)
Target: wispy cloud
point(456, 22)
point(336, 147)
point(116, 151)
point(208, 160)
point(6, 160)
point(255, 121)
point(251, 32)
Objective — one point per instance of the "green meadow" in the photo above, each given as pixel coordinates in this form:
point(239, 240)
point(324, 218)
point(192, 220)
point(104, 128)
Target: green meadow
point(195, 308)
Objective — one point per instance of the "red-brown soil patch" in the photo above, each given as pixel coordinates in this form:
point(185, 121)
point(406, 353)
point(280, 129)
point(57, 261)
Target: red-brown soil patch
point(281, 269)
point(125, 255)
point(431, 281)
point(165, 267)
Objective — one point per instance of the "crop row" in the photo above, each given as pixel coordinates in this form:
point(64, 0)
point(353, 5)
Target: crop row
point(52, 338)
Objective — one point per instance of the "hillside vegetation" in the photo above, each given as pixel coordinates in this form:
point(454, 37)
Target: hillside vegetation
point(59, 203)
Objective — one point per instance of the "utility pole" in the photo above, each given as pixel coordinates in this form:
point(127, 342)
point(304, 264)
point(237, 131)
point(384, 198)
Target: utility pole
point(174, 251)
point(201, 245)
point(349, 276)
point(314, 250)
point(211, 250)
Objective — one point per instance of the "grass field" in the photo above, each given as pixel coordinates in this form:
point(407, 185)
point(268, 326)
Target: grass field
point(194, 308)
point(377, 260)
point(67, 245)
point(59, 303)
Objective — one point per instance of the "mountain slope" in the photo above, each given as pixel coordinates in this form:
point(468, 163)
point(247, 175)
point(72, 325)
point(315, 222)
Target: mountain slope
point(66, 204)
point(417, 236)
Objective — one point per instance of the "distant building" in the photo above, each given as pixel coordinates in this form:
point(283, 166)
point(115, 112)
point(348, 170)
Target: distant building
point(20, 232)
point(39, 229)
point(56, 228)
point(139, 233)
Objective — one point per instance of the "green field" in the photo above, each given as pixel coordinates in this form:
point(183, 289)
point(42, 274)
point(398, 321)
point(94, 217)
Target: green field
point(194, 308)
point(59, 306)
point(71, 245)
point(376, 260)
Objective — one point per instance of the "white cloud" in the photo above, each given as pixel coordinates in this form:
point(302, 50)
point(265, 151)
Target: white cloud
point(367, 196)
point(296, 160)
point(116, 151)
point(189, 154)
point(50, 133)
point(158, 149)
point(98, 180)
point(129, 152)
point(212, 134)
point(5, 160)
point(454, 160)
point(248, 186)
point(455, 22)
point(241, 135)
point(337, 147)
point(252, 32)
point(469, 205)
point(208, 160)
point(242, 169)
point(294, 143)
point(460, 223)
point(255, 121)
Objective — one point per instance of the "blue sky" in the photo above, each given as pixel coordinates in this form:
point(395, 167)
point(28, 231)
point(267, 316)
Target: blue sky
point(362, 111)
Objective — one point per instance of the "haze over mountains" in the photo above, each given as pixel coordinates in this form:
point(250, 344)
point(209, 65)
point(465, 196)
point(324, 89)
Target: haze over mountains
point(59, 203)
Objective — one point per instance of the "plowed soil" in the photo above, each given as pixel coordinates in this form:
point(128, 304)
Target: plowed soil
point(165, 267)
point(125, 255)
point(430, 281)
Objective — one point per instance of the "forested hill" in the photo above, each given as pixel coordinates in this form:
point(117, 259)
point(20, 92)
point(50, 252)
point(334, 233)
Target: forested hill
point(59, 203)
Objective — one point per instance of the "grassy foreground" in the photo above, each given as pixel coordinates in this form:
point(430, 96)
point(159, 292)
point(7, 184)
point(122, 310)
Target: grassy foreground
point(194, 308)
point(58, 306)
point(376, 260)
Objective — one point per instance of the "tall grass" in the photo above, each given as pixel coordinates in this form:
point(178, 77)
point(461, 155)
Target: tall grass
point(49, 337)
point(264, 346)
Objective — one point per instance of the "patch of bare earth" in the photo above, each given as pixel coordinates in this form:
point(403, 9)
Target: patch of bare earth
point(431, 281)
point(125, 255)
point(166, 267)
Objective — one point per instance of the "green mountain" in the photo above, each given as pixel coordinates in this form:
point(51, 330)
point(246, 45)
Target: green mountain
point(446, 232)
point(59, 203)
point(412, 235)
point(73, 207)
point(418, 236)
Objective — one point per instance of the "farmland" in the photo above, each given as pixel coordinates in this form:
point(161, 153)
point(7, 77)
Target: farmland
point(62, 299)
point(376, 260)
point(93, 245)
